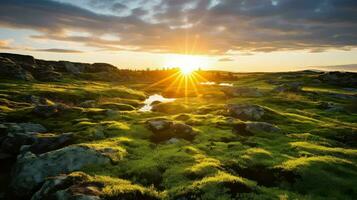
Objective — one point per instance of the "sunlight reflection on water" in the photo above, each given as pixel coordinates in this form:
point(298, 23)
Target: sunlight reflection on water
point(156, 97)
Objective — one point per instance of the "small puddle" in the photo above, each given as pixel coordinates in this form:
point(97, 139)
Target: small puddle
point(156, 97)
point(220, 84)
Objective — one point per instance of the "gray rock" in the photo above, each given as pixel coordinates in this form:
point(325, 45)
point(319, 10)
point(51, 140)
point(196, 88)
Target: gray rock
point(71, 68)
point(49, 110)
point(246, 111)
point(251, 128)
point(159, 124)
point(48, 76)
point(14, 135)
point(10, 69)
point(31, 170)
point(24, 128)
point(346, 79)
point(45, 110)
point(88, 104)
point(64, 187)
point(258, 127)
point(164, 129)
point(49, 142)
point(241, 92)
point(173, 141)
point(39, 100)
point(12, 143)
point(289, 87)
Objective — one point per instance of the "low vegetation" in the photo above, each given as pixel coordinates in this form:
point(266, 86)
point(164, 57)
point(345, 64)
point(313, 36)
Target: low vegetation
point(307, 152)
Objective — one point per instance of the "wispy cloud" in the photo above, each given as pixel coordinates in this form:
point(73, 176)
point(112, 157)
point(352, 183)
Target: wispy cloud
point(5, 44)
point(226, 59)
point(58, 50)
point(188, 26)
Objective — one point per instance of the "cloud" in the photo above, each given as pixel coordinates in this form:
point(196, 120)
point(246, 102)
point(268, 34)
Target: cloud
point(5, 44)
point(190, 26)
point(226, 59)
point(58, 50)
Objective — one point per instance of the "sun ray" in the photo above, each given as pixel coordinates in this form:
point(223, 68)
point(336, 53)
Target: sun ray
point(180, 84)
point(163, 80)
point(173, 82)
point(193, 85)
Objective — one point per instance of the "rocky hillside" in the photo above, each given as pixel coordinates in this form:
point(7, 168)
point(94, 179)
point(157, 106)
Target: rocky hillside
point(72, 131)
point(23, 67)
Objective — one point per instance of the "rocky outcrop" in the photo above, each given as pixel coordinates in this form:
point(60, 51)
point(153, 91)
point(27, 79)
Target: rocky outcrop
point(20, 59)
point(80, 186)
point(25, 67)
point(339, 78)
point(164, 129)
point(21, 137)
point(9, 69)
point(101, 67)
point(68, 187)
point(241, 92)
point(245, 111)
point(46, 73)
point(31, 170)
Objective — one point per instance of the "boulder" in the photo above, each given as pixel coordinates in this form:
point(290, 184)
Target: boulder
point(159, 124)
point(24, 128)
point(258, 127)
point(80, 186)
point(49, 142)
point(14, 135)
point(88, 104)
point(12, 143)
point(164, 129)
point(241, 92)
point(30, 137)
point(246, 111)
point(10, 69)
point(68, 187)
point(251, 128)
point(48, 110)
point(31, 170)
point(39, 100)
point(289, 87)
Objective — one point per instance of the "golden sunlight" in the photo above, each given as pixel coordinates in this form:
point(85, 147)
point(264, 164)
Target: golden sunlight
point(186, 63)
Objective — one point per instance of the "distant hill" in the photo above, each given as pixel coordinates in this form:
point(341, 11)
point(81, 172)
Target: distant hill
point(350, 68)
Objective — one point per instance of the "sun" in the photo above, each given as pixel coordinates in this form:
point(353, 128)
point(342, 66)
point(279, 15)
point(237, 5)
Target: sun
point(185, 70)
point(186, 63)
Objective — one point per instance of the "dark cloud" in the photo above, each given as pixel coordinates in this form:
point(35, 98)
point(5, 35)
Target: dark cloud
point(192, 26)
point(59, 50)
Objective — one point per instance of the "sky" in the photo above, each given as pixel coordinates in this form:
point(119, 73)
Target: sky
point(233, 35)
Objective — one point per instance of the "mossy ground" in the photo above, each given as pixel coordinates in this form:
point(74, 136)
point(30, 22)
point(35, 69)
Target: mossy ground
point(314, 157)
